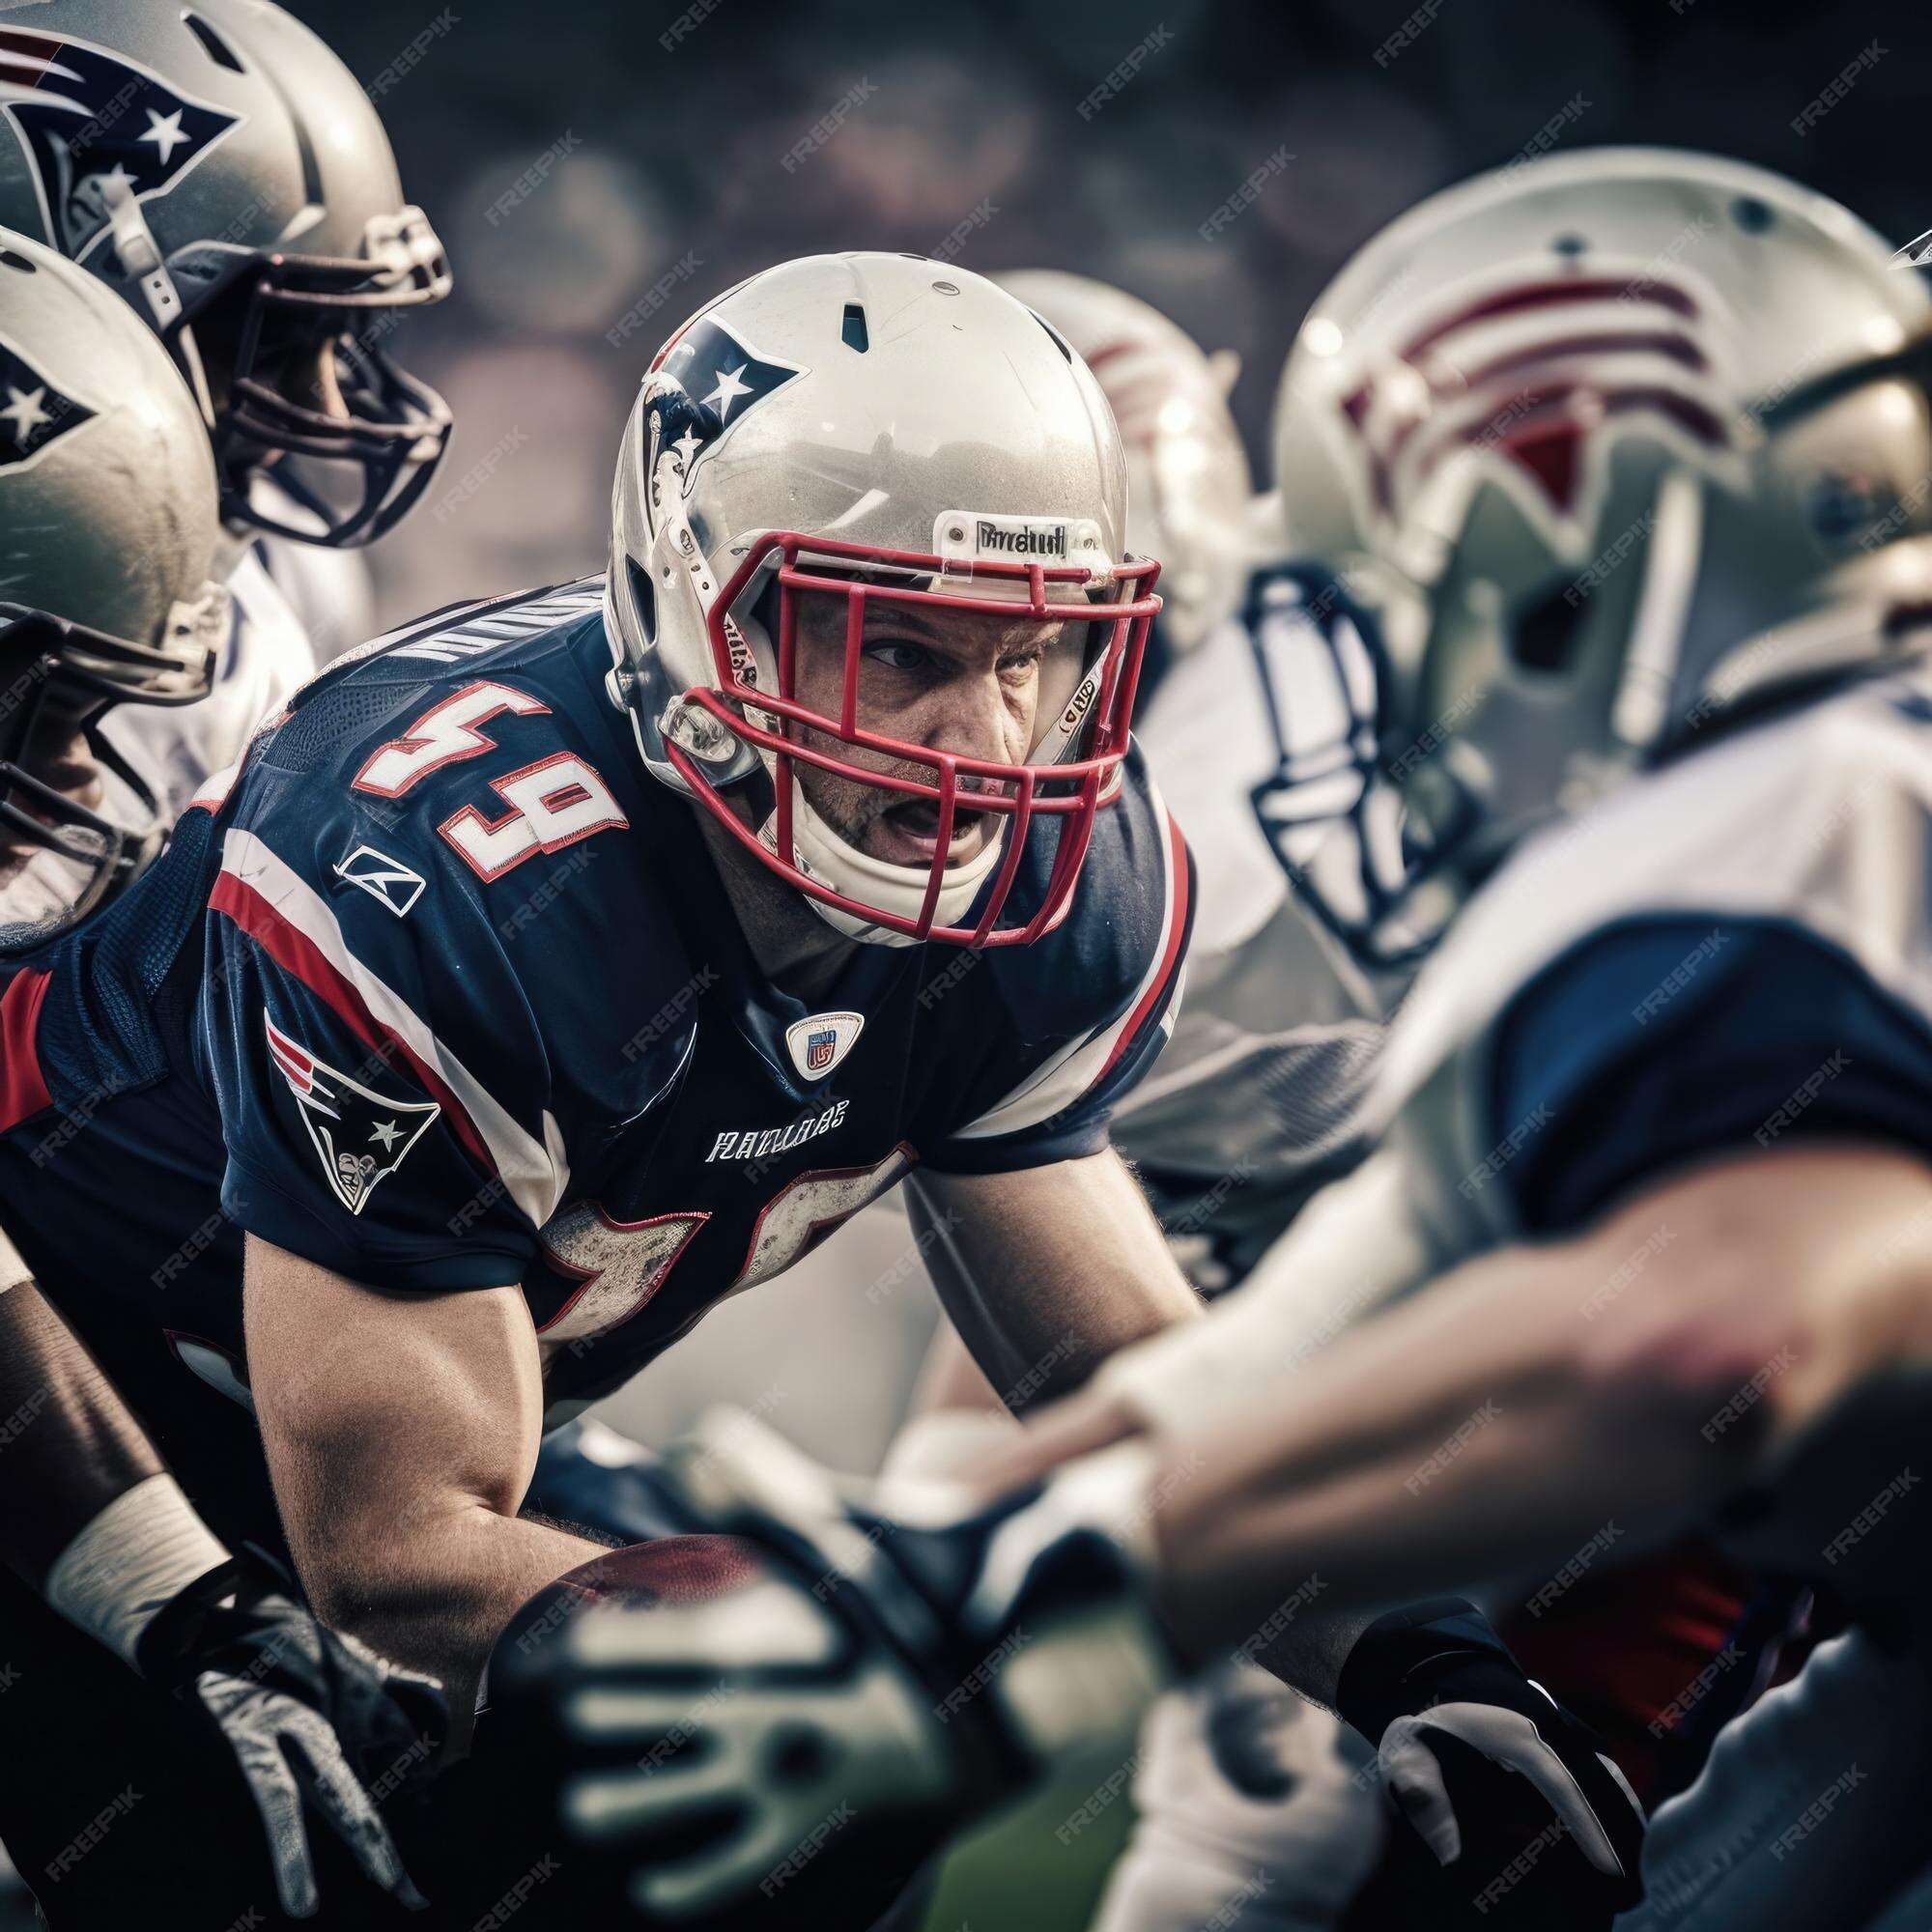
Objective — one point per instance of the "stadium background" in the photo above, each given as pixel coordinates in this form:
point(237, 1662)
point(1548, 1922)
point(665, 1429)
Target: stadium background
point(599, 167)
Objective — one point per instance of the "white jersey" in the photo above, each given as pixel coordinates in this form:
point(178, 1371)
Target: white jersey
point(1725, 952)
point(1257, 1099)
point(265, 658)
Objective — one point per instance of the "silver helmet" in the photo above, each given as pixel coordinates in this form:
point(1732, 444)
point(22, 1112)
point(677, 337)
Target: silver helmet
point(1592, 454)
point(218, 166)
point(108, 522)
point(1189, 487)
point(882, 432)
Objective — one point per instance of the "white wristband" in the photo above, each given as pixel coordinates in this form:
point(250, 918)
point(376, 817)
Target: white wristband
point(131, 1562)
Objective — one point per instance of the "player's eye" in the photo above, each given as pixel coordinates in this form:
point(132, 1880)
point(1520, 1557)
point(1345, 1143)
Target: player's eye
point(898, 653)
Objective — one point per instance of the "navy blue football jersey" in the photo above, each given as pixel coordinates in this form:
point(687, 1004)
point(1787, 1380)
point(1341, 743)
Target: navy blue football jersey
point(444, 991)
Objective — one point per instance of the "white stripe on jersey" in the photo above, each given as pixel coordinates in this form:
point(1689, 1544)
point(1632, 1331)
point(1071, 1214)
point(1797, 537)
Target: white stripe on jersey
point(1062, 1079)
point(536, 1177)
point(482, 627)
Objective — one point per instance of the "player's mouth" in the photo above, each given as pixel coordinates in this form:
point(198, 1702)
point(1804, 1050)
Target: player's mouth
point(907, 833)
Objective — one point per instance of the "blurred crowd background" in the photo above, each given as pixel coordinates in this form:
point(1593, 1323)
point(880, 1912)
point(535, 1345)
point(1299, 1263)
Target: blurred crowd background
point(574, 154)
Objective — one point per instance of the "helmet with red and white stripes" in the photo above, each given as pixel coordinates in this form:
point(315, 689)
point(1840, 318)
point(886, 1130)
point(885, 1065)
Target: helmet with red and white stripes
point(1188, 481)
point(1594, 450)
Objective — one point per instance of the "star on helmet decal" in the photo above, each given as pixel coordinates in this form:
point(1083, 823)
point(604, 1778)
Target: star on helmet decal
point(89, 117)
point(704, 382)
point(34, 415)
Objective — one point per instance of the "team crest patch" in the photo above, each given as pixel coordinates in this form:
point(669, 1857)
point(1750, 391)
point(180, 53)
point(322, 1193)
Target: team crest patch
point(91, 120)
point(34, 415)
point(820, 1041)
point(360, 1136)
point(702, 387)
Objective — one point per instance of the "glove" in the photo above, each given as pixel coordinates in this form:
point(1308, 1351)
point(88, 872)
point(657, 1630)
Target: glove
point(737, 1719)
point(1492, 1770)
point(320, 1725)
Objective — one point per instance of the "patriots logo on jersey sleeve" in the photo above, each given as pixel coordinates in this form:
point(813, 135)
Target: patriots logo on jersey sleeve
point(89, 117)
point(360, 1136)
point(34, 415)
point(702, 386)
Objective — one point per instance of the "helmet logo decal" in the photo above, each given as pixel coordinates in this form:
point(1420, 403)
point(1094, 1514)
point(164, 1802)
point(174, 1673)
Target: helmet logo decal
point(34, 415)
point(91, 120)
point(702, 385)
point(1531, 383)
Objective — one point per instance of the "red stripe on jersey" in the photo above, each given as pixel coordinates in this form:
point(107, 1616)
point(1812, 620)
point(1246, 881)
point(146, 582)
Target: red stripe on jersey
point(292, 949)
point(23, 1088)
point(1161, 984)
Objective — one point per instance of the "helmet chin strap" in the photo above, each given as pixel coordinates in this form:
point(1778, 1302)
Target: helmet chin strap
point(141, 261)
point(824, 856)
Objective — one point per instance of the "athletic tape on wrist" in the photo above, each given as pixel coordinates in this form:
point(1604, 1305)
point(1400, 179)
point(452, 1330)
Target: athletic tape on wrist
point(131, 1562)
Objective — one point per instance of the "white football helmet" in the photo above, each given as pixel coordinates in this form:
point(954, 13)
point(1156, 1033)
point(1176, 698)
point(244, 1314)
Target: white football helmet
point(219, 167)
point(1596, 453)
point(889, 431)
point(1189, 486)
point(108, 524)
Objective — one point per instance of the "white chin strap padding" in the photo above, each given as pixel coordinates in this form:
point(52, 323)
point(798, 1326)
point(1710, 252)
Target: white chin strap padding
point(895, 889)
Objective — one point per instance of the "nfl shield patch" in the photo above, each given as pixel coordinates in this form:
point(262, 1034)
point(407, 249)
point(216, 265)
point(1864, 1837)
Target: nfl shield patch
point(818, 1043)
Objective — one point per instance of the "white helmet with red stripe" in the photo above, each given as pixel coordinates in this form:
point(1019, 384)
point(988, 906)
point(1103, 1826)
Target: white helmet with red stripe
point(1597, 449)
point(1189, 486)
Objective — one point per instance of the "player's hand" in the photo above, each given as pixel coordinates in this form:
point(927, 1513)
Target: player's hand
point(1492, 1772)
point(845, 1685)
point(316, 1720)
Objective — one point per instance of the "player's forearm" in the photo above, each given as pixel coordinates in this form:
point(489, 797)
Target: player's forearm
point(433, 1582)
point(1048, 1271)
point(1545, 1400)
point(71, 1445)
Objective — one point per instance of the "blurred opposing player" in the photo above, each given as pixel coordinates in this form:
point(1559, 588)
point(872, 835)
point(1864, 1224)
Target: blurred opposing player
point(1646, 742)
point(108, 510)
point(223, 172)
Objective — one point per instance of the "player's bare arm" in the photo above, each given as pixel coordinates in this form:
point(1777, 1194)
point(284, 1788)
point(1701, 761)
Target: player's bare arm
point(1775, 1296)
point(84, 1449)
point(400, 1433)
point(1047, 1270)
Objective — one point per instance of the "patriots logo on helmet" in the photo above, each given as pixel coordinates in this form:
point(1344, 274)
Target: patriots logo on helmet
point(360, 1136)
point(1529, 381)
point(90, 120)
point(704, 382)
point(34, 415)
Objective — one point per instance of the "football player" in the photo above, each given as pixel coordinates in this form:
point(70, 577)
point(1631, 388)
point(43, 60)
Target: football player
point(108, 506)
point(580, 958)
point(222, 171)
point(1256, 1103)
point(1645, 739)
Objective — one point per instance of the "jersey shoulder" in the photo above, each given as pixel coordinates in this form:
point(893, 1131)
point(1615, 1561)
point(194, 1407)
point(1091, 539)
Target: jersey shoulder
point(1652, 982)
point(1076, 1019)
point(444, 813)
point(1126, 932)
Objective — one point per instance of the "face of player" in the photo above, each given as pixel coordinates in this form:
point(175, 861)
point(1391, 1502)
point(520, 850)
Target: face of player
point(57, 755)
point(943, 680)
